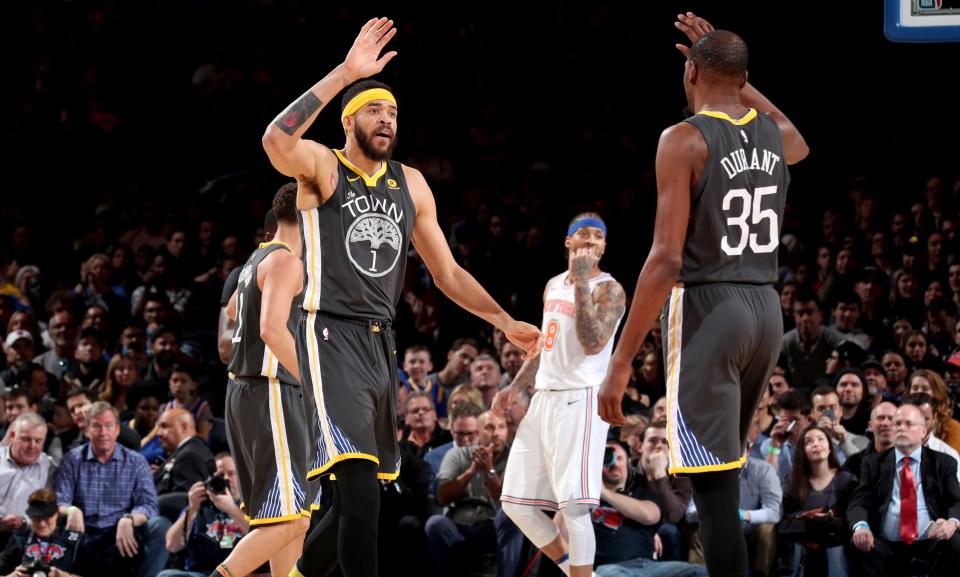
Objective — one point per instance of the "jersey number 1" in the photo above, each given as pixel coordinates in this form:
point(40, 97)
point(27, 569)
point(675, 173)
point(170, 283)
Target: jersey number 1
point(750, 210)
point(236, 334)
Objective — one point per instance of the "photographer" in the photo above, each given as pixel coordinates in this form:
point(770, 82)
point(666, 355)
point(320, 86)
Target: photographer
point(214, 519)
point(826, 415)
point(41, 547)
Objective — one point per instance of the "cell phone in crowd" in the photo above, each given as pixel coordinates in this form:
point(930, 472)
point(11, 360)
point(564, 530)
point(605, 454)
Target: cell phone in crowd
point(609, 457)
point(830, 413)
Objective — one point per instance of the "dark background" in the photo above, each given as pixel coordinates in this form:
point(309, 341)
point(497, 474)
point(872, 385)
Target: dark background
point(492, 87)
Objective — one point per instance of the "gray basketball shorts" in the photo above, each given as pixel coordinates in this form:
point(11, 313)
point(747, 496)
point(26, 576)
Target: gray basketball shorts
point(720, 343)
point(348, 368)
point(267, 435)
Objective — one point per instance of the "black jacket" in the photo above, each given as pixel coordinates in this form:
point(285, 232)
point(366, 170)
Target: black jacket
point(938, 476)
point(189, 463)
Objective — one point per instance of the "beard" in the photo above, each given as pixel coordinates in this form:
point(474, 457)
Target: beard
point(365, 142)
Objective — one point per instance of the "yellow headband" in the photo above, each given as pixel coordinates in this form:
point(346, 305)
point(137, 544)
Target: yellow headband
point(366, 97)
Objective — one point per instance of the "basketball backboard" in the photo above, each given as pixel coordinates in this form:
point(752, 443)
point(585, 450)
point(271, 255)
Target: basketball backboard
point(921, 20)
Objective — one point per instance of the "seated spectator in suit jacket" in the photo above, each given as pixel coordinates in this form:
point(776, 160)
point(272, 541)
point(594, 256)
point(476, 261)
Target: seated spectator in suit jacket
point(190, 459)
point(894, 523)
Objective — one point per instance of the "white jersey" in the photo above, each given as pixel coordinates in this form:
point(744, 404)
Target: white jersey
point(563, 363)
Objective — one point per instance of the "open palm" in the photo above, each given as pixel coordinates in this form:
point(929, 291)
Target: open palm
point(364, 58)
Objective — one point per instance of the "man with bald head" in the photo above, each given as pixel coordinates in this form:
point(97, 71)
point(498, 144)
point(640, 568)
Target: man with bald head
point(881, 426)
point(190, 459)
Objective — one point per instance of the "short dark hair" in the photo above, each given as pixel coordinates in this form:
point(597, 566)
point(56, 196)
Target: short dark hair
point(16, 393)
point(823, 390)
point(918, 399)
point(806, 295)
point(285, 203)
point(460, 343)
point(270, 221)
point(720, 53)
point(189, 370)
point(416, 349)
point(794, 400)
point(848, 298)
point(77, 391)
point(359, 87)
point(465, 410)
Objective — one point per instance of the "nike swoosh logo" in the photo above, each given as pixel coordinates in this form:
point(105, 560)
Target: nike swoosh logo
point(354, 179)
point(572, 402)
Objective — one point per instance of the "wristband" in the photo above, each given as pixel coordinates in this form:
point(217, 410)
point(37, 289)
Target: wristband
point(742, 516)
point(860, 525)
point(773, 450)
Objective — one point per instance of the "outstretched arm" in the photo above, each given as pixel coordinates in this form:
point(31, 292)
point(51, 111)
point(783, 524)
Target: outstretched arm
point(451, 278)
point(794, 146)
point(309, 161)
point(281, 278)
point(597, 311)
point(681, 148)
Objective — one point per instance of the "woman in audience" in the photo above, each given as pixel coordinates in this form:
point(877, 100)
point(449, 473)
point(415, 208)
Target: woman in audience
point(815, 505)
point(122, 373)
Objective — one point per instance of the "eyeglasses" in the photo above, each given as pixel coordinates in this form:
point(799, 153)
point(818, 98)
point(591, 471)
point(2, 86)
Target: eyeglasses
point(416, 410)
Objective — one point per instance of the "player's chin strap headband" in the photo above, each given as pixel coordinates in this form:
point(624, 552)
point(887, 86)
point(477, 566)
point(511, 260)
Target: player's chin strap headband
point(366, 97)
point(594, 222)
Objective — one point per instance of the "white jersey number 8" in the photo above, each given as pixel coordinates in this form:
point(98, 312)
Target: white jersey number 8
point(755, 216)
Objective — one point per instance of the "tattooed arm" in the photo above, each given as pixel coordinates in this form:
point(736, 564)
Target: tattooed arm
point(310, 162)
point(597, 314)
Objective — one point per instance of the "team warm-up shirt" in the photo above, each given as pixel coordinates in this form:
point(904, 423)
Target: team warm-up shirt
point(355, 244)
point(736, 209)
point(563, 363)
point(250, 356)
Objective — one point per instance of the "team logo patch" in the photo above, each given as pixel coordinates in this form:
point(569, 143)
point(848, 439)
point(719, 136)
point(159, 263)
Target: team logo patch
point(373, 244)
point(245, 275)
point(46, 555)
point(391, 183)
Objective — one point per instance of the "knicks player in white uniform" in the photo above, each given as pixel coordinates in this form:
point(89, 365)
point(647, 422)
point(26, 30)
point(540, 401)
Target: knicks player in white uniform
point(557, 458)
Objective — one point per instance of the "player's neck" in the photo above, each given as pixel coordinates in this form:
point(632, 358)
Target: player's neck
point(723, 100)
point(353, 153)
point(289, 237)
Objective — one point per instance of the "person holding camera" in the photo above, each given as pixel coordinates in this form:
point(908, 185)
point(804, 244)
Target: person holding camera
point(41, 548)
point(211, 524)
point(826, 414)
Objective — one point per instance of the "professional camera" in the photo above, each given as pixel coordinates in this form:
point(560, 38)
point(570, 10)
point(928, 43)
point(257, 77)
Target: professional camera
point(36, 568)
point(216, 484)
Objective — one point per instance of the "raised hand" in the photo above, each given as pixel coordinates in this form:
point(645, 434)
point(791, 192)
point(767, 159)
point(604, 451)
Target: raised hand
point(364, 58)
point(582, 262)
point(694, 27)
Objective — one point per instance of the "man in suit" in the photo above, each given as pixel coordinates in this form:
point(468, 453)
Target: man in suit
point(190, 459)
point(892, 521)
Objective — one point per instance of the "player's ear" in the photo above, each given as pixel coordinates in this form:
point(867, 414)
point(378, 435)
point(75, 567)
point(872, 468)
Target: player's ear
point(566, 242)
point(744, 81)
point(347, 122)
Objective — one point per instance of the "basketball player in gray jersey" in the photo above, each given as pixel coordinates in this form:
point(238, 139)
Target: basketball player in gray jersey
point(721, 182)
point(265, 415)
point(359, 211)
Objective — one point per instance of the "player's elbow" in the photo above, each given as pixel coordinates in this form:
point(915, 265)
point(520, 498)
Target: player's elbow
point(275, 142)
point(268, 334)
point(799, 151)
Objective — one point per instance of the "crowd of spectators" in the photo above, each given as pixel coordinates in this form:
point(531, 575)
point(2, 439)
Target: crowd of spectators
point(113, 392)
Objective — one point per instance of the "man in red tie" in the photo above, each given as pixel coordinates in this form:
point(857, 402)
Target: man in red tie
point(910, 497)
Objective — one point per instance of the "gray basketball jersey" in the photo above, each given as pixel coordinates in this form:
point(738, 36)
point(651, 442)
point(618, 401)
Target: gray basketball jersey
point(250, 356)
point(355, 244)
point(736, 208)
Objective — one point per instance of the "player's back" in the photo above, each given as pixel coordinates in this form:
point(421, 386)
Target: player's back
point(564, 364)
point(737, 205)
point(250, 356)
